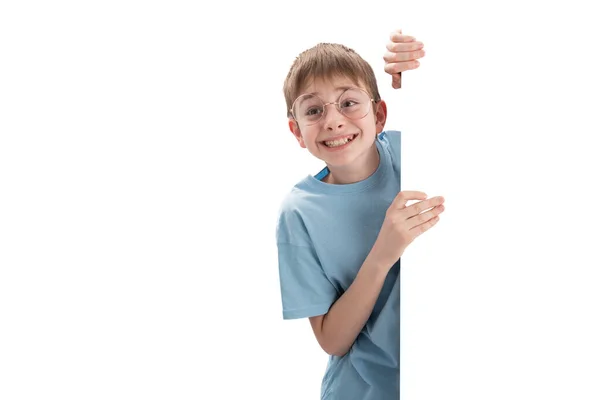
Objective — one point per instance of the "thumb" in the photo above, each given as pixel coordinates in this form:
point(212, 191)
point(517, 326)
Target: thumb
point(395, 34)
point(403, 197)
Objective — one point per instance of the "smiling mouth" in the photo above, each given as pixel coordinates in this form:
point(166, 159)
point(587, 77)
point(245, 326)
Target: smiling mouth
point(339, 142)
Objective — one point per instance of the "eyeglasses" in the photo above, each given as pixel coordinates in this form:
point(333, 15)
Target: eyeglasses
point(353, 103)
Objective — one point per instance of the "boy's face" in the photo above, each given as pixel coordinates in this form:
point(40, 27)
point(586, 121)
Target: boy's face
point(316, 126)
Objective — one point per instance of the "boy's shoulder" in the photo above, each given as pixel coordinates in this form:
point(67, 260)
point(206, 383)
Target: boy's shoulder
point(297, 197)
point(390, 137)
point(390, 133)
point(290, 201)
point(391, 141)
point(294, 215)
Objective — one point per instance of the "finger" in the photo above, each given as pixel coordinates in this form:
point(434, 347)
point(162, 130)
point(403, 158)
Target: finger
point(425, 216)
point(405, 196)
point(395, 32)
point(395, 68)
point(418, 208)
point(395, 47)
point(390, 57)
point(398, 37)
point(420, 229)
point(397, 80)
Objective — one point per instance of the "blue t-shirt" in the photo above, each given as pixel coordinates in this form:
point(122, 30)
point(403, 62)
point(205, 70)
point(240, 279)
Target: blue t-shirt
point(324, 234)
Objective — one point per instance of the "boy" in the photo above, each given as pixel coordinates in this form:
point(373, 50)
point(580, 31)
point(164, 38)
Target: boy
point(341, 233)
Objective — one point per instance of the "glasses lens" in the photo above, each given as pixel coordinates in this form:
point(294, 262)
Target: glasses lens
point(308, 109)
point(354, 103)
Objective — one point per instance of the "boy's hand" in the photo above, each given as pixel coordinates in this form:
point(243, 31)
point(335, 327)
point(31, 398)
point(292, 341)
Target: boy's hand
point(402, 54)
point(402, 224)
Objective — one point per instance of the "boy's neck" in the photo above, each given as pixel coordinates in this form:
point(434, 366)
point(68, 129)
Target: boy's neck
point(362, 168)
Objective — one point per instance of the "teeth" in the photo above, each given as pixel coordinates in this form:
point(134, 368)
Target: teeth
point(339, 142)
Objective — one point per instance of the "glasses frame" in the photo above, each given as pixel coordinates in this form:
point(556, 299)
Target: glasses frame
point(336, 103)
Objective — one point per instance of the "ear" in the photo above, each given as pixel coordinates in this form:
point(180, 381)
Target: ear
point(296, 131)
point(380, 115)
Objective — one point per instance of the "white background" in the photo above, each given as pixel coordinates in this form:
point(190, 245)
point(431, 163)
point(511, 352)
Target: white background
point(144, 153)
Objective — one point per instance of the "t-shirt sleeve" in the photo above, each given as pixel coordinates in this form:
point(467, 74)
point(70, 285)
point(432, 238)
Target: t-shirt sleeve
point(306, 290)
point(392, 139)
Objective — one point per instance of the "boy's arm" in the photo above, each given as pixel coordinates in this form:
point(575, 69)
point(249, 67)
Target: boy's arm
point(337, 330)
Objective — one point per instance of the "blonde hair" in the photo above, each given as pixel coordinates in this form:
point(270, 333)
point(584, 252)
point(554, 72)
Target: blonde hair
point(326, 61)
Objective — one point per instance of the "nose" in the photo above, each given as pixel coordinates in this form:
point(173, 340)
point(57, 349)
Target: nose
point(333, 118)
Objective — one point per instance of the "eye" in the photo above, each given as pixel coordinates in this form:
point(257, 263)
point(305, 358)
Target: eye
point(313, 111)
point(348, 103)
